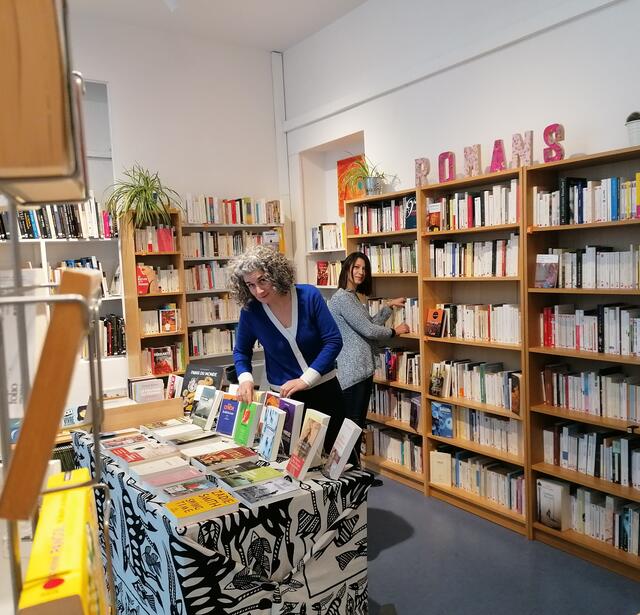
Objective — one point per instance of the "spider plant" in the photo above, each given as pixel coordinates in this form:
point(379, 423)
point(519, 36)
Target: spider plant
point(359, 172)
point(142, 195)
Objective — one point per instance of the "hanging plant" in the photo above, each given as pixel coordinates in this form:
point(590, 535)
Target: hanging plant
point(142, 195)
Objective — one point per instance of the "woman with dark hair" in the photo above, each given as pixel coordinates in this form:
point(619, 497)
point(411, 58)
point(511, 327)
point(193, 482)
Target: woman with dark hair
point(360, 332)
point(292, 323)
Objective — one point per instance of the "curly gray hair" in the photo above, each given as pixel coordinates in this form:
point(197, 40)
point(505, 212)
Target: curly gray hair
point(277, 269)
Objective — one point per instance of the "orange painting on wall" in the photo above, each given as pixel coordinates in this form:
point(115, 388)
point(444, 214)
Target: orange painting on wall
point(347, 192)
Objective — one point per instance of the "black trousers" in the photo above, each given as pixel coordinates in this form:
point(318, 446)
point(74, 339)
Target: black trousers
point(356, 403)
point(327, 398)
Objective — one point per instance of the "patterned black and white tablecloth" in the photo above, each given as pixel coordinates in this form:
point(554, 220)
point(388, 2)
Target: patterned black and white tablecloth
point(300, 556)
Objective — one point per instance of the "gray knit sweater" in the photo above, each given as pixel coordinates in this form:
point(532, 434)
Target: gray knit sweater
point(360, 332)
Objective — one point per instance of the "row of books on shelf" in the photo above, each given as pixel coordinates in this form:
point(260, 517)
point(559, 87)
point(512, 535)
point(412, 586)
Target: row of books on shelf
point(475, 322)
point(212, 244)
point(153, 280)
point(607, 518)
point(474, 259)
point(327, 236)
point(155, 239)
point(401, 449)
point(205, 209)
point(113, 339)
point(497, 432)
point(206, 276)
point(398, 405)
point(409, 314)
point(88, 220)
point(391, 258)
point(386, 216)
point(607, 392)
point(582, 201)
point(466, 210)
point(211, 309)
point(166, 319)
point(162, 360)
point(492, 480)
point(593, 451)
point(87, 262)
point(328, 273)
point(478, 381)
point(588, 267)
point(398, 366)
point(608, 328)
point(215, 340)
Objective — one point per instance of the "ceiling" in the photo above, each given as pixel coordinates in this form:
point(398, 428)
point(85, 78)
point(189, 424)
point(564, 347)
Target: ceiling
point(271, 25)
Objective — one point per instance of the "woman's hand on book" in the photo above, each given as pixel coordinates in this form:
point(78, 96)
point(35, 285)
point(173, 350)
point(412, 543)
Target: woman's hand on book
point(402, 328)
point(397, 303)
point(245, 392)
point(293, 386)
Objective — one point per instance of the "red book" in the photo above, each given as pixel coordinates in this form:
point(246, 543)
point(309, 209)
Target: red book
point(322, 273)
point(106, 230)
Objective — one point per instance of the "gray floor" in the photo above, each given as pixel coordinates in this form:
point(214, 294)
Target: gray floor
point(429, 558)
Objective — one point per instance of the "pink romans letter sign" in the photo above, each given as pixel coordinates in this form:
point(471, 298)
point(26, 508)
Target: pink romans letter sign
point(497, 159)
point(446, 167)
point(472, 161)
point(552, 134)
point(423, 166)
point(521, 149)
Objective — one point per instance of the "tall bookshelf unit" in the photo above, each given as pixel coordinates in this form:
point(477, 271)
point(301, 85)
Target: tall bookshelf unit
point(136, 340)
point(470, 290)
point(617, 234)
point(391, 285)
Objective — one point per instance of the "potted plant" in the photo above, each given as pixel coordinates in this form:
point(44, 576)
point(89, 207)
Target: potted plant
point(142, 195)
point(363, 173)
point(633, 128)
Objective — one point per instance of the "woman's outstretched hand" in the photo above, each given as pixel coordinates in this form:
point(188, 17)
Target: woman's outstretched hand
point(293, 386)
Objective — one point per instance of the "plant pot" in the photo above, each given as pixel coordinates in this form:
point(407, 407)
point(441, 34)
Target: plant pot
point(373, 185)
point(633, 130)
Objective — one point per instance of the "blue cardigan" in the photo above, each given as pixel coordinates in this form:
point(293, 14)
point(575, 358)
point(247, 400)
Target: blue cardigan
point(310, 355)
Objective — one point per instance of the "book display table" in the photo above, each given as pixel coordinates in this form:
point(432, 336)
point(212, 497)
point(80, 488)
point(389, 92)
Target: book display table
point(305, 554)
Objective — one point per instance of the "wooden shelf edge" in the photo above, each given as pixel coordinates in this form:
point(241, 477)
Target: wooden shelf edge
point(475, 229)
point(583, 417)
point(574, 227)
point(410, 231)
point(591, 482)
point(475, 279)
point(590, 549)
point(468, 445)
point(374, 462)
point(584, 291)
point(389, 422)
point(475, 405)
point(479, 506)
point(581, 354)
point(481, 343)
point(394, 384)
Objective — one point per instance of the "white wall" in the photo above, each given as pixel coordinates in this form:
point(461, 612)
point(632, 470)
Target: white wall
point(489, 69)
point(199, 113)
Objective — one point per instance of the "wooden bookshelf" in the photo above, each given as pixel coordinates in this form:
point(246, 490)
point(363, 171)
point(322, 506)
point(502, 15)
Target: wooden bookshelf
point(539, 240)
point(391, 285)
point(136, 339)
point(464, 290)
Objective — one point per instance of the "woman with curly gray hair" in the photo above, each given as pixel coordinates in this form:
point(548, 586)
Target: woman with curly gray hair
point(294, 326)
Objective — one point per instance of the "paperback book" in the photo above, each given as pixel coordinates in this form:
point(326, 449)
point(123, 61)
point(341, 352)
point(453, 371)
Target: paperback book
point(435, 322)
point(185, 489)
point(441, 419)
point(201, 507)
point(547, 266)
point(211, 462)
point(248, 473)
point(207, 406)
point(554, 503)
point(172, 476)
point(339, 455)
point(133, 454)
point(174, 386)
point(272, 426)
point(210, 446)
point(244, 432)
point(200, 373)
point(309, 444)
point(149, 469)
point(149, 428)
point(292, 423)
point(228, 413)
point(266, 493)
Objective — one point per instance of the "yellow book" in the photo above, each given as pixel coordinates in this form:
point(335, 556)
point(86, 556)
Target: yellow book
point(65, 573)
point(201, 507)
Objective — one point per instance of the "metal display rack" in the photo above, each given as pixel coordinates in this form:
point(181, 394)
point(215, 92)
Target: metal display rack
point(23, 188)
